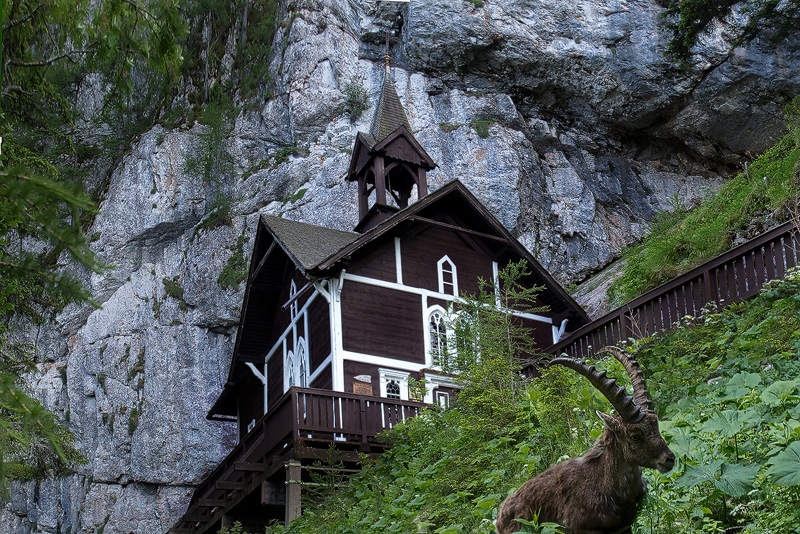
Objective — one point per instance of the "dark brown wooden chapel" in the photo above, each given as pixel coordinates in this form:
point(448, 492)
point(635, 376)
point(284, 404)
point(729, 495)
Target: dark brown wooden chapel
point(334, 323)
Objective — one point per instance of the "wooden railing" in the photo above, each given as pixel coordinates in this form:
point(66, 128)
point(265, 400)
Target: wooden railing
point(313, 416)
point(731, 277)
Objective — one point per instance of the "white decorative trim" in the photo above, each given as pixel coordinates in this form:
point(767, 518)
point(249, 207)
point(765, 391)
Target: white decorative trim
point(398, 261)
point(440, 271)
point(427, 331)
point(381, 361)
point(288, 329)
point(496, 282)
point(262, 378)
point(298, 373)
point(386, 375)
point(432, 381)
point(432, 294)
point(337, 347)
point(558, 331)
point(293, 305)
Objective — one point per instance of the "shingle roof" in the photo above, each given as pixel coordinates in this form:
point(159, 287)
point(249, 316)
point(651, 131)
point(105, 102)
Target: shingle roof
point(309, 244)
point(389, 113)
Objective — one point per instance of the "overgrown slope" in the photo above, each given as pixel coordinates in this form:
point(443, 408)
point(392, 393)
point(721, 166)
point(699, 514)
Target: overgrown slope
point(728, 391)
point(765, 192)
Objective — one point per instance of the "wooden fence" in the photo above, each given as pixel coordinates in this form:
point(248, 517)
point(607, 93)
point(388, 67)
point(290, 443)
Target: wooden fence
point(731, 277)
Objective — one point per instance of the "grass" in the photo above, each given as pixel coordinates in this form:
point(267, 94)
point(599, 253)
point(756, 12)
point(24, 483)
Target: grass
point(681, 240)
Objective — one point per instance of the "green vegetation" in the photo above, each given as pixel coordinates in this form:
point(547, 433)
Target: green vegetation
point(482, 128)
point(687, 20)
point(32, 443)
point(235, 271)
point(727, 391)
point(133, 420)
point(680, 240)
point(356, 99)
point(173, 288)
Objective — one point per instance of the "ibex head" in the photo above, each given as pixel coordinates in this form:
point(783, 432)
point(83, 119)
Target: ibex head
point(635, 429)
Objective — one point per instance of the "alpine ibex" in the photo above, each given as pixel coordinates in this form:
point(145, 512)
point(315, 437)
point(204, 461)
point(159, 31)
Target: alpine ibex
point(597, 492)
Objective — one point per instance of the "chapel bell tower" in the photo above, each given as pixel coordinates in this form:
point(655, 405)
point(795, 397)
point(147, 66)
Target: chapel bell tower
point(388, 163)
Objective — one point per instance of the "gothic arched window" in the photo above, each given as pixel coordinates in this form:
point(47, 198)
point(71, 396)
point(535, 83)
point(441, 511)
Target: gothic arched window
point(437, 330)
point(448, 276)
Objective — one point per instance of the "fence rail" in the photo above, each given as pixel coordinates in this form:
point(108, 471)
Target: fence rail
point(728, 278)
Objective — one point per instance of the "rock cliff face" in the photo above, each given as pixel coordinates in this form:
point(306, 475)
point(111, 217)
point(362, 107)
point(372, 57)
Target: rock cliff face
point(562, 117)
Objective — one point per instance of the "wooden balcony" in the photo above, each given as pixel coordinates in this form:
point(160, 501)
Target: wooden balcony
point(267, 461)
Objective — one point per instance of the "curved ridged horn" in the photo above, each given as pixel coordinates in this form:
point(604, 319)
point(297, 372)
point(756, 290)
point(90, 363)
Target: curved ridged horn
point(615, 394)
point(641, 395)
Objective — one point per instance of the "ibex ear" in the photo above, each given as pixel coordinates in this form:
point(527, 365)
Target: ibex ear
point(611, 423)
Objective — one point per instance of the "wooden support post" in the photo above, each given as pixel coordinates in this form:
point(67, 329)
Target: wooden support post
point(293, 490)
point(271, 493)
point(226, 521)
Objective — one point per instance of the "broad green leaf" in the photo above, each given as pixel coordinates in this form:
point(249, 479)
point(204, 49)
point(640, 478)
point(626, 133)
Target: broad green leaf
point(697, 474)
point(785, 470)
point(486, 503)
point(736, 479)
point(686, 446)
point(725, 423)
point(741, 383)
point(779, 392)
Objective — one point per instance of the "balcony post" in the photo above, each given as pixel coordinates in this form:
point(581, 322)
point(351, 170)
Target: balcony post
point(363, 405)
point(293, 490)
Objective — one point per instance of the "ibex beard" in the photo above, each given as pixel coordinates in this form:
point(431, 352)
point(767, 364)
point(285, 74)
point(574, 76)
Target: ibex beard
point(597, 493)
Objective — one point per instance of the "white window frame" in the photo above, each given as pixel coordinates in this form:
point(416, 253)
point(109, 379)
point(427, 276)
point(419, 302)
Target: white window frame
point(296, 374)
point(433, 381)
point(441, 270)
point(385, 375)
point(450, 334)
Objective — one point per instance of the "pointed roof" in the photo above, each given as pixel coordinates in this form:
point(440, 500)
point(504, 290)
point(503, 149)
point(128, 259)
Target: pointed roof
point(389, 113)
point(335, 246)
point(307, 244)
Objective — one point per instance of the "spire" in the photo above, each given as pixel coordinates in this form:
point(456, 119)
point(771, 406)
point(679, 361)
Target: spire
point(389, 113)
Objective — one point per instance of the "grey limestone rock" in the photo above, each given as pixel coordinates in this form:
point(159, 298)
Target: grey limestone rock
point(563, 118)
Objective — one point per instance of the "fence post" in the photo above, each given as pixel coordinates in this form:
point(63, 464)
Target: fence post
point(625, 329)
point(363, 403)
point(709, 287)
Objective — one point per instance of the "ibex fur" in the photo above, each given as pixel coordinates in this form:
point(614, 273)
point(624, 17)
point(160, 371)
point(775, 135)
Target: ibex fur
point(597, 492)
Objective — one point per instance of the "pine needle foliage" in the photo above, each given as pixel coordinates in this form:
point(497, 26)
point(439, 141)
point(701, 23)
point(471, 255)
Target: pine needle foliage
point(490, 344)
point(32, 287)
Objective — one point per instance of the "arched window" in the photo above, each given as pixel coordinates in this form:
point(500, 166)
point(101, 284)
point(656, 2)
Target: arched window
point(448, 276)
point(302, 364)
point(289, 371)
point(393, 383)
point(295, 367)
point(437, 330)
point(392, 389)
point(440, 340)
